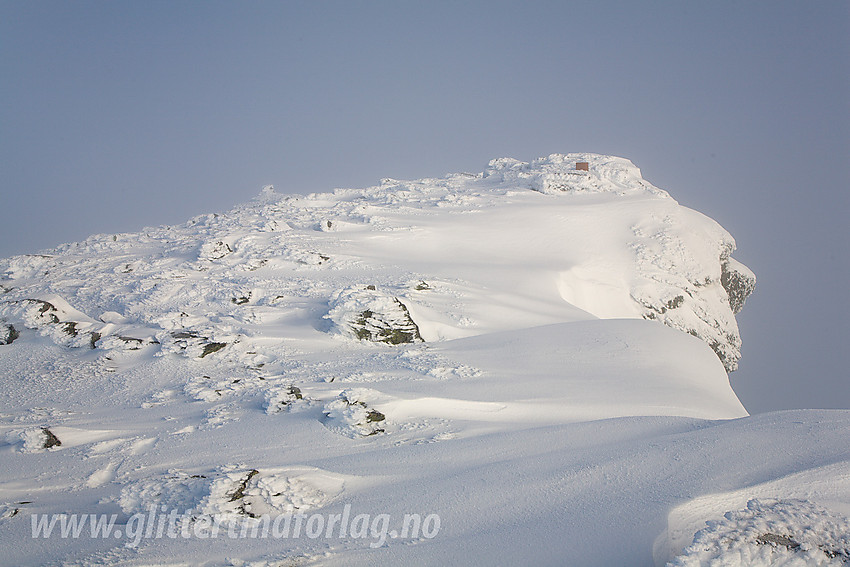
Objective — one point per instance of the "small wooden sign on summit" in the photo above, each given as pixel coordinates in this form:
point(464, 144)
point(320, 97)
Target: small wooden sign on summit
point(582, 166)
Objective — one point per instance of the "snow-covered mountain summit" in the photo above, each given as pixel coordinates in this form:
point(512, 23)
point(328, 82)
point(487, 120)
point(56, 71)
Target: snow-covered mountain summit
point(519, 245)
point(479, 353)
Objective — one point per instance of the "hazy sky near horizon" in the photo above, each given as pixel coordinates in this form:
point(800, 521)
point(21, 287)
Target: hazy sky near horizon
point(120, 115)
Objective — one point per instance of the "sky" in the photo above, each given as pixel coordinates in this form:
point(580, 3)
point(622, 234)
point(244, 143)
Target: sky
point(119, 115)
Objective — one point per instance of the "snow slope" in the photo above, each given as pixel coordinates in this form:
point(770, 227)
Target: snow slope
point(482, 348)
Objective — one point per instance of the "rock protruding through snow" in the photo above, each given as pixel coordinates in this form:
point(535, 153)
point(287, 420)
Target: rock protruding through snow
point(738, 281)
point(771, 534)
point(365, 313)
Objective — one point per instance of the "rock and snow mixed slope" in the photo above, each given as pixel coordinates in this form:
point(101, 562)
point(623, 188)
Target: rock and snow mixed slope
point(484, 347)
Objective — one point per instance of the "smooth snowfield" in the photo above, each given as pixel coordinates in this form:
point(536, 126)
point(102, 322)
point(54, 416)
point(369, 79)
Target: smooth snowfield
point(533, 355)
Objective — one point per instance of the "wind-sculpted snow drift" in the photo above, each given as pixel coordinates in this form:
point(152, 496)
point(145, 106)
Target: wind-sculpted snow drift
point(481, 347)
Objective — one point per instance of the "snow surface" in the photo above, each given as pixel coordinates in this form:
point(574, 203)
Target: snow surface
point(233, 366)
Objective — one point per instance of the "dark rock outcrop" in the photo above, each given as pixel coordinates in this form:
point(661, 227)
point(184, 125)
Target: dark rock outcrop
point(394, 327)
point(50, 440)
point(738, 281)
point(370, 314)
point(8, 333)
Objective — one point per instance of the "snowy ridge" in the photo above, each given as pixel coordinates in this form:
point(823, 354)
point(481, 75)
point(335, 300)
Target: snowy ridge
point(607, 242)
point(484, 347)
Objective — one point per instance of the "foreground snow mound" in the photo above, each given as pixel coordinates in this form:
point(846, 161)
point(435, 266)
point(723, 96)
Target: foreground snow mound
point(791, 533)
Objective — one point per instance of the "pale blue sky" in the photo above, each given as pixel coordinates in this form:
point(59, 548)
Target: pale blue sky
point(118, 115)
